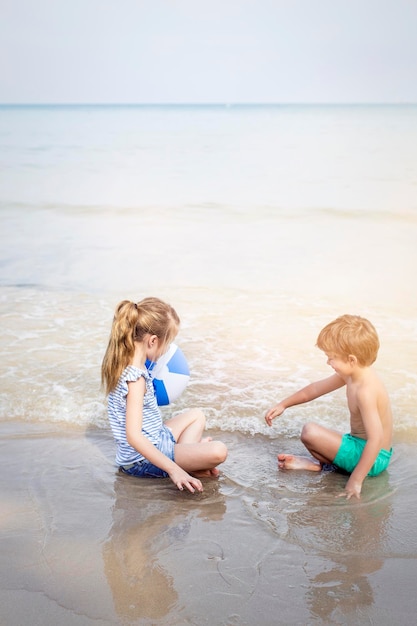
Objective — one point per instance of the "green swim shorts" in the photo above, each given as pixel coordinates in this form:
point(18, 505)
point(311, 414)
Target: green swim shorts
point(350, 452)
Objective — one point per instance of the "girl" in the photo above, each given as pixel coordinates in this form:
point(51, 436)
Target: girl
point(147, 446)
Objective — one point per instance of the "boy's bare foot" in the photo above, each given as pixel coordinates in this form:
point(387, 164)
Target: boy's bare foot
point(210, 473)
point(289, 461)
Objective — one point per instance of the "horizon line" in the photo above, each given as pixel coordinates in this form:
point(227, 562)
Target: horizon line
point(206, 104)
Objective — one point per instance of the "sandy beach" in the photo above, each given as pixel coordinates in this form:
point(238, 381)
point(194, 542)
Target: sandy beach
point(82, 544)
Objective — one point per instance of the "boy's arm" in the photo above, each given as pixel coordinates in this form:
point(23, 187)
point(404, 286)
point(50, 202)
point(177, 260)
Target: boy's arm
point(367, 405)
point(306, 394)
point(135, 438)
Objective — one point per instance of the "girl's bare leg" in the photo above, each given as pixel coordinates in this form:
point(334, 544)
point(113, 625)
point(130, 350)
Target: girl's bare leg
point(194, 454)
point(200, 459)
point(188, 427)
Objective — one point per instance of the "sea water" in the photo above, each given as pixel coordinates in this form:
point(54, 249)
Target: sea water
point(259, 224)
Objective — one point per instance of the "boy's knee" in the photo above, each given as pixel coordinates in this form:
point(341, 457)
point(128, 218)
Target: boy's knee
point(308, 432)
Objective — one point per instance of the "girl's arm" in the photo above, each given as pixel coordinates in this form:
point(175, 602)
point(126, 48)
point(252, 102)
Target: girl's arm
point(306, 394)
point(135, 438)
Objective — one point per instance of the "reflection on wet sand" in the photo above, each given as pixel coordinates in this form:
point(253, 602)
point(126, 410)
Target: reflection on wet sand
point(139, 585)
point(144, 530)
point(351, 537)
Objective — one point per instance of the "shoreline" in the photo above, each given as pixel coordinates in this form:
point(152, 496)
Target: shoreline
point(82, 544)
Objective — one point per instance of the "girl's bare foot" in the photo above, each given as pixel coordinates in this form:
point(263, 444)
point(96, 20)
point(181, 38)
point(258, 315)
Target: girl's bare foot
point(206, 439)
point(210, 473)
point(289, 461)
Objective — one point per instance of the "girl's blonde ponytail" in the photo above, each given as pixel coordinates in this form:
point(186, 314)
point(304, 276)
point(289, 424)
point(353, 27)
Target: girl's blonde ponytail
point(131, 322)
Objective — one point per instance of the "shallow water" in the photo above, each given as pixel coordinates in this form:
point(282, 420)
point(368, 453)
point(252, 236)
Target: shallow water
point(109, 549)
point(259, 224)
point(254, 276)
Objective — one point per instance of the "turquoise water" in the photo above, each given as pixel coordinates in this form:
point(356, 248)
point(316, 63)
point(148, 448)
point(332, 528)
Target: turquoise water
point(258, 223)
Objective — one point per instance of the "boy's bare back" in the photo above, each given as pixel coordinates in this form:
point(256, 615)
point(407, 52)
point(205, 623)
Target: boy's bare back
point(368, 401)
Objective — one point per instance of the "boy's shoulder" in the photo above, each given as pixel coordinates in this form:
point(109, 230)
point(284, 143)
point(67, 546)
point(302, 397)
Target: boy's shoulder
point(368, 383)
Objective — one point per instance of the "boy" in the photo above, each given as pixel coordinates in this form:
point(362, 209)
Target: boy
point(351, 345)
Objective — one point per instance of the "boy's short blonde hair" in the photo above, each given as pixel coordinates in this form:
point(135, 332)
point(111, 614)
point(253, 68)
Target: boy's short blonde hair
point(350, 334)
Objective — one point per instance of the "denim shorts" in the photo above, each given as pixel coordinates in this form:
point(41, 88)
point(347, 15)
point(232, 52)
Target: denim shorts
point(143, 467)
point(350, 452)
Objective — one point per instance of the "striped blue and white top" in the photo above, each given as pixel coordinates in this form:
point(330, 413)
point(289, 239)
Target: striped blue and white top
point(152, 420)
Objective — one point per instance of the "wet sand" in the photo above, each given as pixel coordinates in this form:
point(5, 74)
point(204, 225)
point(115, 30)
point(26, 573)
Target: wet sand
point(82, 544)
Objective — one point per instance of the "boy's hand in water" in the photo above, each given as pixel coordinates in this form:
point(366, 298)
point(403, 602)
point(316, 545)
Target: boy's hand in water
point(181, 479)
point(276, 411)
point(352, 489)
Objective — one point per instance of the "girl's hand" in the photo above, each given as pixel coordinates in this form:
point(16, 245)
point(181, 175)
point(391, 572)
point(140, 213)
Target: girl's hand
point(276, 411)
point(181, 479)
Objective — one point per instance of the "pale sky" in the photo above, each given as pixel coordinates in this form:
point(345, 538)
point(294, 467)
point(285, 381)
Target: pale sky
point(226, 51)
